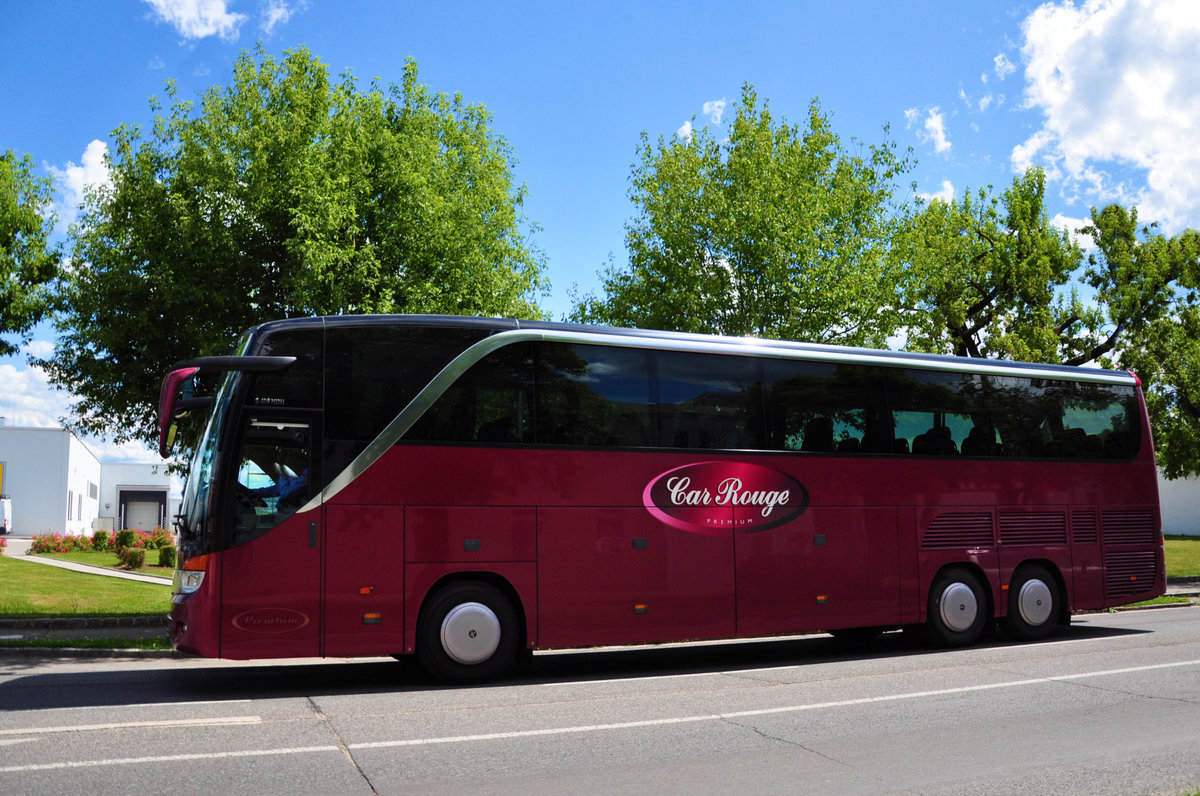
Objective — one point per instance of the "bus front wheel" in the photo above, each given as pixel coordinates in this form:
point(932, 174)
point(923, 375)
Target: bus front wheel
point(957, 609)
point(1033, 604)
point(467, 633)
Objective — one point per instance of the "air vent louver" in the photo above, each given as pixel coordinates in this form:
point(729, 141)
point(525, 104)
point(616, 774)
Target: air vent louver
point(1126, 574)
point(1129, 527)
point(1084, 528)
point(1046, 528)
point(959, 530)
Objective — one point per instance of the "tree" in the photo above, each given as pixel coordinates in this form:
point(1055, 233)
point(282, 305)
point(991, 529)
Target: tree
point(29, 264)
point(991, 277)
point(982, 275)
point(777, 231)
point(1149, 283)
point(283, 195)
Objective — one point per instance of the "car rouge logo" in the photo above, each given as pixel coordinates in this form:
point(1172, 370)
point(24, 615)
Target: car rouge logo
point(719, 498)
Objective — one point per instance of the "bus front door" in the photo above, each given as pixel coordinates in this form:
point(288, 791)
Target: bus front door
point(270, 568)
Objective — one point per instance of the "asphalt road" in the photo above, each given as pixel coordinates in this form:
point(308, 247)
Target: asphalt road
point(1111, 705)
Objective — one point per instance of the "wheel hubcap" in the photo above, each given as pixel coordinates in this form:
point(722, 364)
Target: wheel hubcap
point(958, 607)
point(1035, 602)
point(470, 633)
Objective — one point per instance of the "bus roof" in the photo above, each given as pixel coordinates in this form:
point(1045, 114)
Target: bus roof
point(514, 330)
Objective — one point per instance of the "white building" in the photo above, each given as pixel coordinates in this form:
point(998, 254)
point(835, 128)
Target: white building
point(52, 479)
point(1180, 501)
point(57, 485)
point(136, 496)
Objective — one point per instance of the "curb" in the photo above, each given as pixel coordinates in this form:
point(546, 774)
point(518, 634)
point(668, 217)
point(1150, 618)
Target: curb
point(87, 652)
point(82, 622)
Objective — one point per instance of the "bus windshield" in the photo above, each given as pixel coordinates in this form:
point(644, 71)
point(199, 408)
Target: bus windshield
point(201, 474)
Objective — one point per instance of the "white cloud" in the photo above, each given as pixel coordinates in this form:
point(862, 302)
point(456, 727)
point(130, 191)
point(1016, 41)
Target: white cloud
point(1072, 226)
point(932, 130)
point(1003, 66)
point(935, 130)
point(985, 102)
point(74, 179)
point(714, 110)
point(278, 12)
point(38, 348)
point(198, 19)
point(1118, 85)
point(29, 399)
point(685, 131)
point(946, 194)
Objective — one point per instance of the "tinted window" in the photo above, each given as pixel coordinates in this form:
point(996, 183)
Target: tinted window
point(1041, 418)
point(826, 407)
point(939, 413)
point(375, 371)
point(491, 402)
point(709, 401)
point(594, 395)
point(299, 384)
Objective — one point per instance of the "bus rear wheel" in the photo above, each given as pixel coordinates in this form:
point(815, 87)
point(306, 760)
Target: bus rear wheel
point(1033, 604)
point(957, 609)
point(467, 633)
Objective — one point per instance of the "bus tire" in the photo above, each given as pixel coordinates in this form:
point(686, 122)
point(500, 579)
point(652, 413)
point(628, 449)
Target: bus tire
point(467, 633)
point(957, 610)
point(1033, 604)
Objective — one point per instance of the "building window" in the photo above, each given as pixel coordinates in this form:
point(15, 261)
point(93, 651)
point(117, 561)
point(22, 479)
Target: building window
point(70, 504)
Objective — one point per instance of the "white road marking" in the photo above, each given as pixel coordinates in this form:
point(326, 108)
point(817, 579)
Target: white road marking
point(125, 725)
point(551, 731)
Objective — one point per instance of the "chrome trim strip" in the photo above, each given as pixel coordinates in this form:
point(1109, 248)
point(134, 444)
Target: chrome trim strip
point(747, 346)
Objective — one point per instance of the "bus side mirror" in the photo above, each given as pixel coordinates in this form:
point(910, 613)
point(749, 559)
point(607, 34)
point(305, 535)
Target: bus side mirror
point(168, 404)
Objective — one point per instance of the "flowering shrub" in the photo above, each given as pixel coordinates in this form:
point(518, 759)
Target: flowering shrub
point(102, 541)
point(59, 543)
point(3, 544)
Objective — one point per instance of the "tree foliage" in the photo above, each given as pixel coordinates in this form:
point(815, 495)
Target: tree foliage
point(780, 230)
point(29, 263)
point(283, 194)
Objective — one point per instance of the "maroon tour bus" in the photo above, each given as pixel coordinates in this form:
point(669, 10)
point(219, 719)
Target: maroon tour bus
point(467, 489)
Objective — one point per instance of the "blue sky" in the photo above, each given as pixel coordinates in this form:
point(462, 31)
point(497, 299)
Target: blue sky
point(1104, 95)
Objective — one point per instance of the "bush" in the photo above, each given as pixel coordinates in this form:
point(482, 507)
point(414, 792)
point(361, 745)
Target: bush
point(3, 544)
point(100, 541)
point(50, 543)
point(126, 539)
point(166, 556)
point(133, 558)
point(158, 539)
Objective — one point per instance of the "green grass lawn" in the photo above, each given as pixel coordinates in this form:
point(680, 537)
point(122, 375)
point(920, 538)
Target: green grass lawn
point(110, 560)
point(1183, 556)
point(31, 589)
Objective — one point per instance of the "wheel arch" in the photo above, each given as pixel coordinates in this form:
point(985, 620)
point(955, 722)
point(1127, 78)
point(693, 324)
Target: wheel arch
point(494, 579)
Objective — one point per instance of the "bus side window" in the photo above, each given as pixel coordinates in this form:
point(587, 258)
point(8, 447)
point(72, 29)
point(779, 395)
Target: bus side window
point(709, 401)
point(594, 395)
point(825, 407)
point(491, 402)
